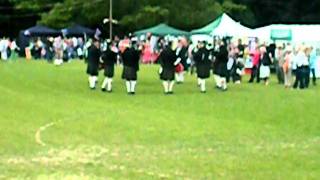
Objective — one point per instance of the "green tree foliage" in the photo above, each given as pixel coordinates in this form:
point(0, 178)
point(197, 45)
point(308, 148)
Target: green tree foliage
point(184, 14)
point(132, 14)
point(35, 5)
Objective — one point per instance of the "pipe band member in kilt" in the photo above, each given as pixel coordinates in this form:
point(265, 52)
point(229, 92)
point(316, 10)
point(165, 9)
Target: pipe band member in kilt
point(93, 63)
point(109, 58)
point(167, 61)
point(130, 58)
point(182, 53)
point(203, 64)
point(220, 67)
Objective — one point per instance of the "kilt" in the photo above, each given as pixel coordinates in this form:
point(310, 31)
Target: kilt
point(109, 71)
point(167, 74)
point(203, 71)
point(129, 73)
point(93, 69)
point(221, 70)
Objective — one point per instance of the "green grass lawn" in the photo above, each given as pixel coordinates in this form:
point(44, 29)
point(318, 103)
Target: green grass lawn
point(249, 132)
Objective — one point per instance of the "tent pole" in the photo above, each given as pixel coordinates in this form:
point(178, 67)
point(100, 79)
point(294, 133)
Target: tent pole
point(110, 21)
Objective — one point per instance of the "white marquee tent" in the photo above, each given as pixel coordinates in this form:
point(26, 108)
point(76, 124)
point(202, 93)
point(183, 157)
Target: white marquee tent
point(224, 26)
point(229, 27)
point(298, 33)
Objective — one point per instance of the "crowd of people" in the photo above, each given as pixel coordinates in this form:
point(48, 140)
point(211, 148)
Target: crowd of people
point(225, 60)
point(55, 50)
point(175, 59)
point(300, 61)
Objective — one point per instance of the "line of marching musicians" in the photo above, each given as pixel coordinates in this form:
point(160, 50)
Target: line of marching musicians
point(168, 59)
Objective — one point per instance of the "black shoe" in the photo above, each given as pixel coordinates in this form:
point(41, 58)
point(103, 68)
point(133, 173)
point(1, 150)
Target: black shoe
point(171, 92)
point(132, 93)
point(217, 87)
point(103, 89)
point(93, 88)
point(109, 91)
point(203, 92)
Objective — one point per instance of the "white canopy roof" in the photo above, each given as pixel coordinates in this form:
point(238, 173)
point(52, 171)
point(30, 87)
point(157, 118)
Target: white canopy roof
point(224, 26)
point(300, 33)
point(229, 27)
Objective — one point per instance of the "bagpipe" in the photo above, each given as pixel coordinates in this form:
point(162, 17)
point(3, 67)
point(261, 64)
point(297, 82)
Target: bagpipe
point(179, 67)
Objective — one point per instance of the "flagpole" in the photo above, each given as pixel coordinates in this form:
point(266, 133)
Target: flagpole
point(110, 21)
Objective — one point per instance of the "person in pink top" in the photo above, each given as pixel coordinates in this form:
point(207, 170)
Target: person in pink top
point(147, 53)
point(256, 65)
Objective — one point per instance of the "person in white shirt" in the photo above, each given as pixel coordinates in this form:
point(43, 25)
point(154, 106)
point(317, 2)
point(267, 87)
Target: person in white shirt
point(58, 48)
point(301, 61)
point(4, 43)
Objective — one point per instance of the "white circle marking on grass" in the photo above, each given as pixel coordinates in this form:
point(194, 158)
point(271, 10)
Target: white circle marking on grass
point(38, 133)
point(46, 126)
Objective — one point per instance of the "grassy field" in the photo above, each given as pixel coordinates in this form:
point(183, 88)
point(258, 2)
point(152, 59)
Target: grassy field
point(54, 127)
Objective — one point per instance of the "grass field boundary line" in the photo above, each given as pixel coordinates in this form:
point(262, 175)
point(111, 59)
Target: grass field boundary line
point(38, 133)
point(43, 128)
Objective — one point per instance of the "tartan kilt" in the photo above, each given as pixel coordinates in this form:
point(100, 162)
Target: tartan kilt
point(93, 69)
point(129, 73)
point(109, 71)
point(221, 70)
point(167, 74)
point(203, 71)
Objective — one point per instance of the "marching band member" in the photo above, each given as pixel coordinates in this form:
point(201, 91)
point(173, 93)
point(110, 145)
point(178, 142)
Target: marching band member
point(167, 61)
point(203, 64)
point(130, 58)
point(109, 58)
point(93, 63)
